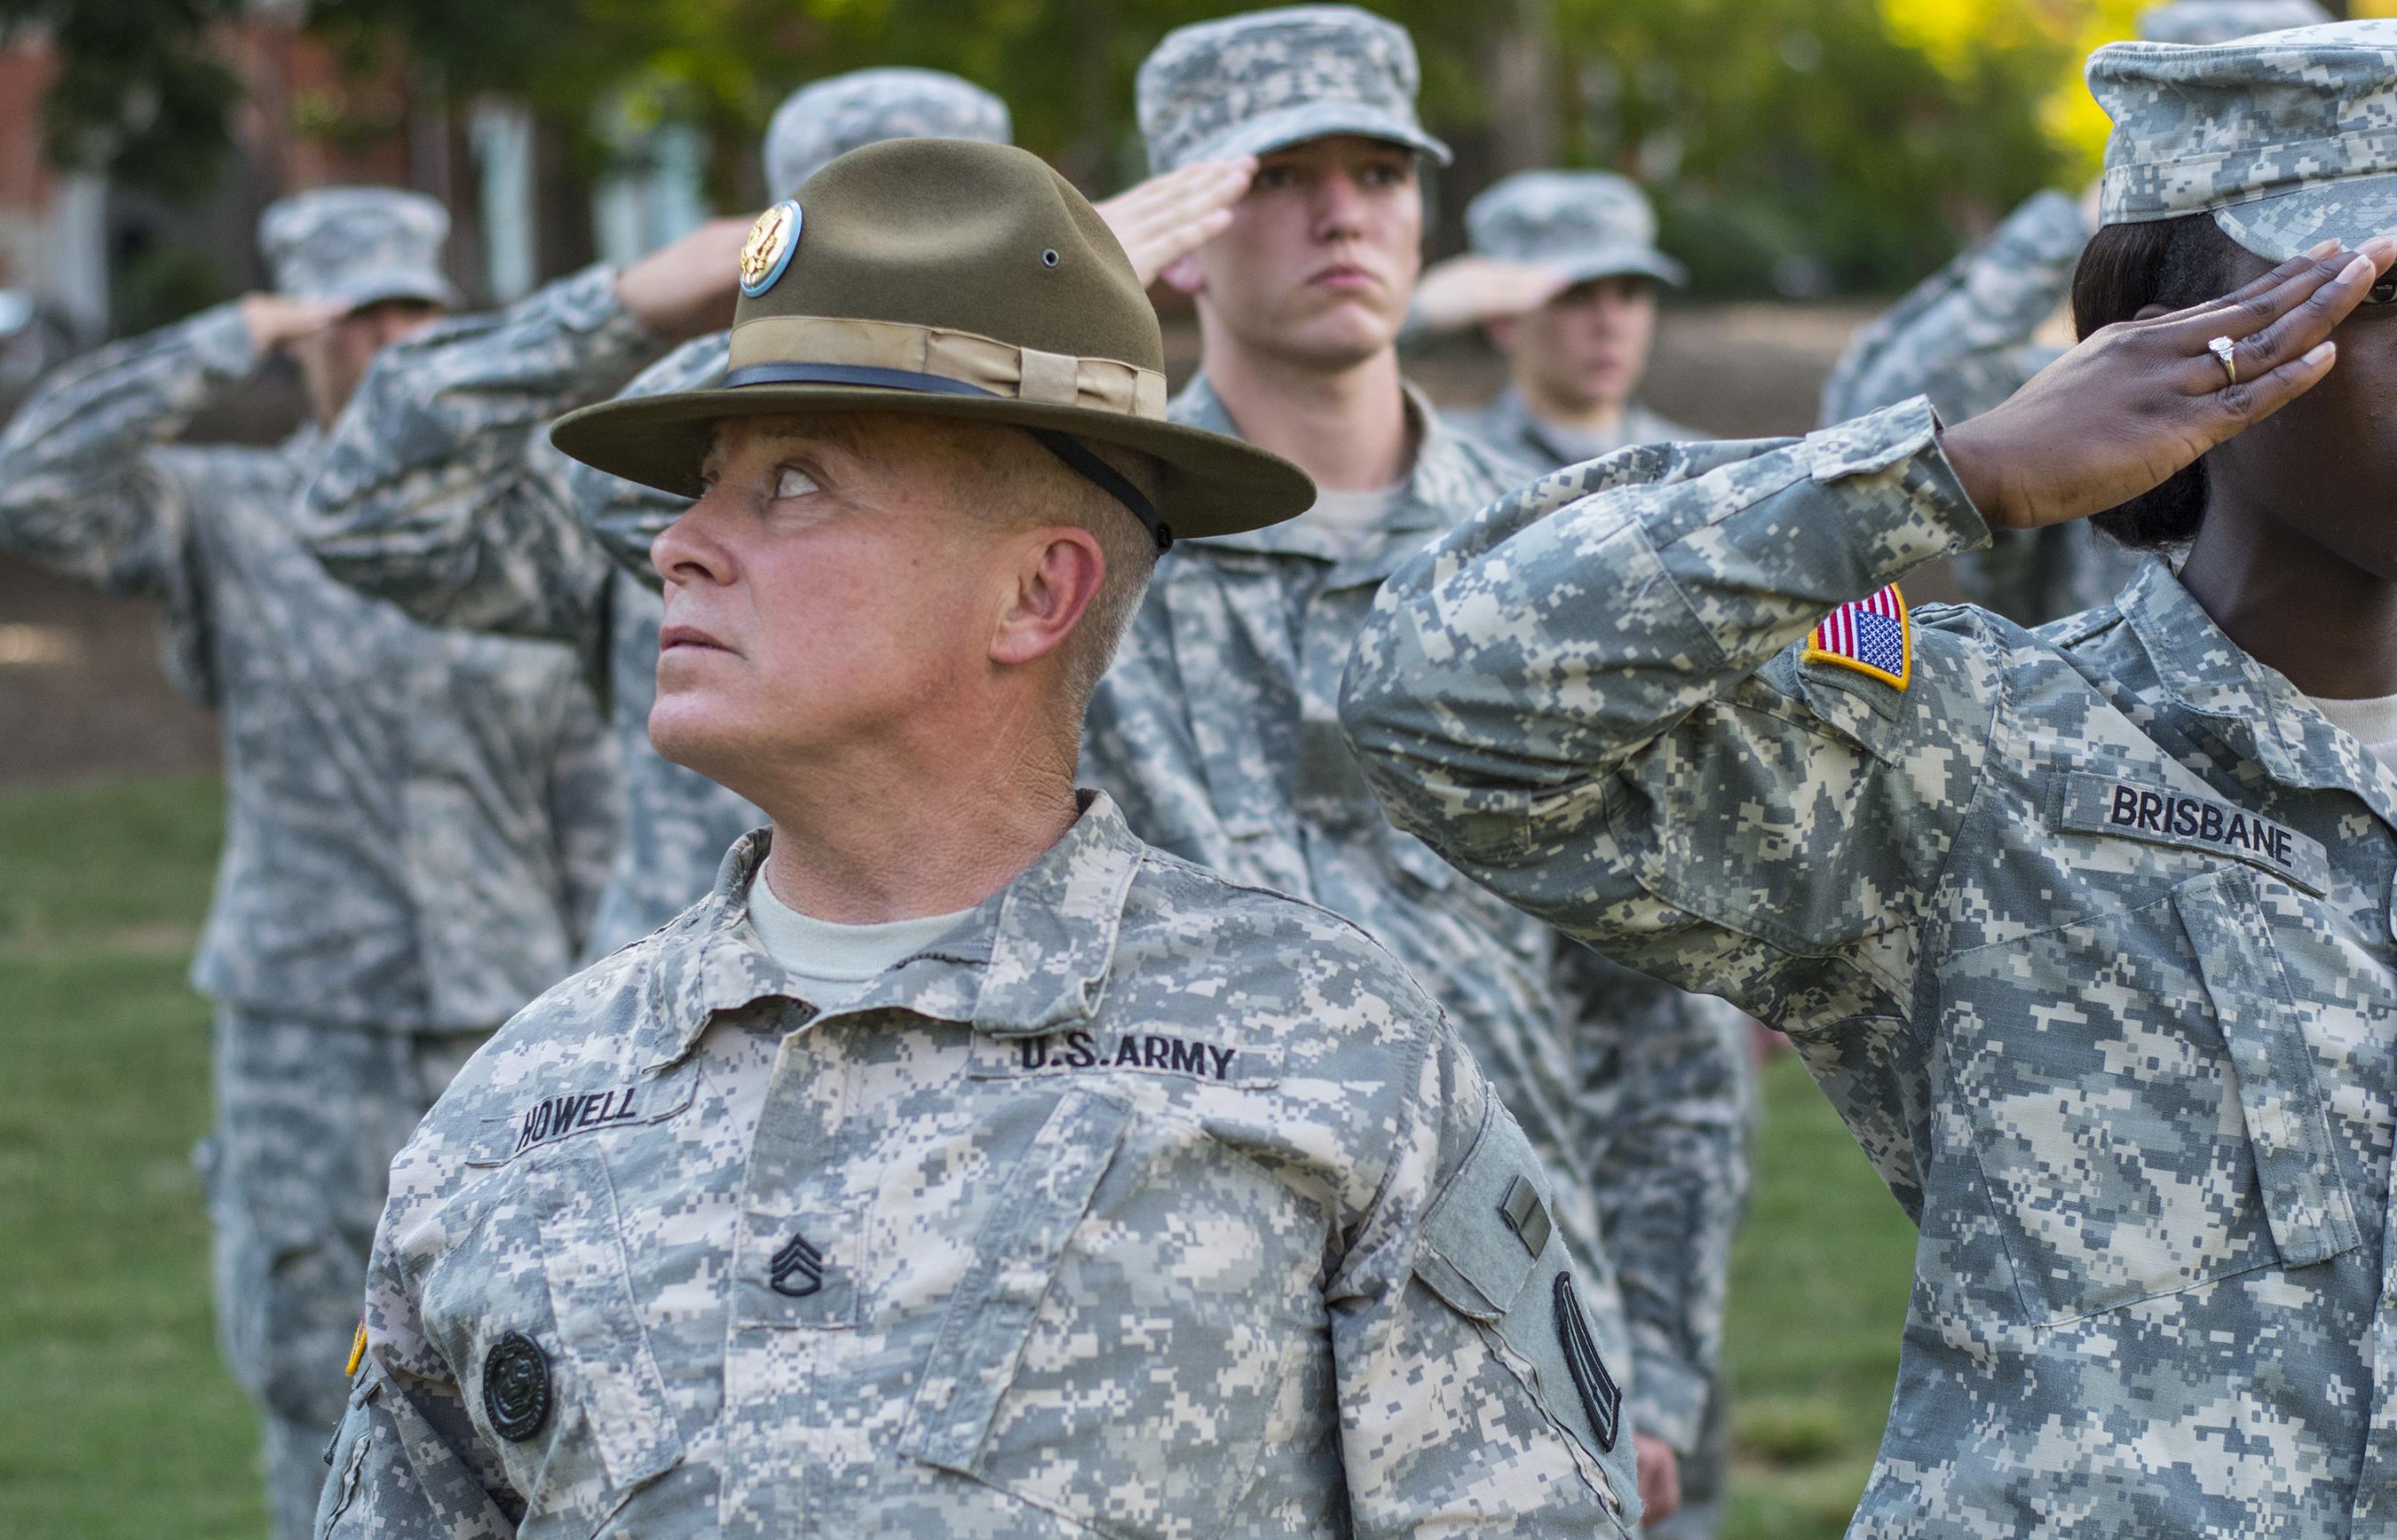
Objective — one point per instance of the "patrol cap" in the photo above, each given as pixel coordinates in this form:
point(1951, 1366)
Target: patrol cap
point(2203, 21)
point(949, 278)
point(2285, 137)
point(1268, 79)
point(818, 123)
point(1591, 225)
point(357, 246)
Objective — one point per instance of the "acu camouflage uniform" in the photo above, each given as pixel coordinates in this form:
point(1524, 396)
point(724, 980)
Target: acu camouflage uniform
point(1138, 1204)
point(1216, 731)
point(417, 822)
point(2086, 933)
point(442, 493)
point(1972, 334)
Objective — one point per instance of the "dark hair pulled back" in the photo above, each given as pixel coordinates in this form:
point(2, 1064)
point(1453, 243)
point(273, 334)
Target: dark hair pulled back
point(2174, 263)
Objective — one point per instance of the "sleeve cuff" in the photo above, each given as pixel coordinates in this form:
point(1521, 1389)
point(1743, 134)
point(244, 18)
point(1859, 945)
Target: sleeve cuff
point(1669, 1400)
point(2049, 228)
point(1927, 516)
point(586, 304)
point(222, 342)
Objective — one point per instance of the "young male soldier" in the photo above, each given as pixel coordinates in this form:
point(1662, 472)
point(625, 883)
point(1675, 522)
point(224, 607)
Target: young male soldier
point(960, 1165)
point(1575, 354)
point(444, 495)
point(1969, 335)
point(417, 822)
point(1216, 729)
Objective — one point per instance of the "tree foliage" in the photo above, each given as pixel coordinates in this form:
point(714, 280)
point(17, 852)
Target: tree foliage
point(1794, 144)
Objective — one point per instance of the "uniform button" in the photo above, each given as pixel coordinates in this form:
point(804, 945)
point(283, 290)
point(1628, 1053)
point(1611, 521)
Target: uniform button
point(516, 1386)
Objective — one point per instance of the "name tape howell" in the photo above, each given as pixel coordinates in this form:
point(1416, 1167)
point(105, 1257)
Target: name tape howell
point(2163, 815)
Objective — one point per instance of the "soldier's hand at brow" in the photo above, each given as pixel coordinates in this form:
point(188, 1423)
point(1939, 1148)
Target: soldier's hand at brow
point(1463, 291)
point(276, 321)
point(2138, 400)
point(1165, 219)
point(688, 285)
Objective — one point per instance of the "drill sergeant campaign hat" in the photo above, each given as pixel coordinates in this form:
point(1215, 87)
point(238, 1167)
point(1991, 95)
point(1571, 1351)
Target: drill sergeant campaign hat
point(818, 123)
point(1590, 225)
point(941, 278)
point(2285, 139)
point(2200, 21)
point(357, 246)
point(1268, 79)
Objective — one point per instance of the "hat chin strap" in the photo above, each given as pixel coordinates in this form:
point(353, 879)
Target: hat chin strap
point(1080, 461)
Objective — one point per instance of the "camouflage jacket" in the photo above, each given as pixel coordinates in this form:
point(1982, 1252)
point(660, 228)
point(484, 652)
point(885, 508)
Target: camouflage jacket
point(441, 492)
point(417, 822)
point(1140, 1204)
point(1967, 338)
point(1216, 731)
point(2085, 932)
point(1506, 424)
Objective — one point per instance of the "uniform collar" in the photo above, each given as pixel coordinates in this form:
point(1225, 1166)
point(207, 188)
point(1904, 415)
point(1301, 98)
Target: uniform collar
point(1510, 425)
point(1032, 958)
point(2253, 708)
point(1443, 489)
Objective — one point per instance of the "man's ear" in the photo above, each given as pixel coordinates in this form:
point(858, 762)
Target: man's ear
point(1184, 277)
point(1057, 574)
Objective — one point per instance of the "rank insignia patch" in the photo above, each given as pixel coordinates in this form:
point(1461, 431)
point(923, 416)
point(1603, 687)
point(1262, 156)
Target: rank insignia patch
point(1870, 635)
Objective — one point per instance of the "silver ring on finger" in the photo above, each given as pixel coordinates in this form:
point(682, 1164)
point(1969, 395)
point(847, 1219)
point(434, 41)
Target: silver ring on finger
point(2224, 354)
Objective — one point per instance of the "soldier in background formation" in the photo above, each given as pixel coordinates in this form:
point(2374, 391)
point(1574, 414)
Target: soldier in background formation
point(417, 822)
point(1561, 270)
point(2085, 932)
point(966, 1167)
point(1972, 334)
point(1216, 730)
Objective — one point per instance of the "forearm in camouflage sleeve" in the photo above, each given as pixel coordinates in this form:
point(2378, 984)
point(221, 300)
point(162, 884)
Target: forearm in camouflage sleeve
point(88, 483)
point(439, 489)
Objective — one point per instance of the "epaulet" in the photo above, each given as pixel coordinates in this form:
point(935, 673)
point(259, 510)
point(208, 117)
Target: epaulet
point(1870, 635)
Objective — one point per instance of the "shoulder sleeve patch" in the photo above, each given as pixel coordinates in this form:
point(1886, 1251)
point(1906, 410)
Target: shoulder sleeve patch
point(1872, 635)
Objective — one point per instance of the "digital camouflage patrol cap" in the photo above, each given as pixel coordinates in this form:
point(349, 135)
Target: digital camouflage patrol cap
point(1269, 79)
point(1590, 225)
point(818, 123)
point(2287, 139)
point(357, 246)
point(2203, 21)
point(947, 278)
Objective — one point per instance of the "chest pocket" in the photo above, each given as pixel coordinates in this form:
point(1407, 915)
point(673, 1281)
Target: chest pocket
point(1137, 1307)
point(2140, 1097)
point(582, 1417)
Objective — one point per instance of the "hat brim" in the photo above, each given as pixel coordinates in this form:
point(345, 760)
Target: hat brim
point(374, 288)
point(1279, 130)
point(1624, 261)
point(2276, 227)
point(1214, 485)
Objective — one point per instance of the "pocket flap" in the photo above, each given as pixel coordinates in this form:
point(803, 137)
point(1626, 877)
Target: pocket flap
point(1015, 1254)
point(2288, 1125)
point(1486, 1232)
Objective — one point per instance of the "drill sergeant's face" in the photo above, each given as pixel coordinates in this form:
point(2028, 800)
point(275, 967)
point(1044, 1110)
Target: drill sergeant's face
point(1584, 350)
point(1321, 255)
point(333, 360)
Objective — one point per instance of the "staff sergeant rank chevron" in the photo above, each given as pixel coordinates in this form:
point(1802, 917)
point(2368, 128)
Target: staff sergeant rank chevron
point(1867, 634)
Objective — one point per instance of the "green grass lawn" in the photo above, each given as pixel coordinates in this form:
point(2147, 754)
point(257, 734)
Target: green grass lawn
point(118, 1420)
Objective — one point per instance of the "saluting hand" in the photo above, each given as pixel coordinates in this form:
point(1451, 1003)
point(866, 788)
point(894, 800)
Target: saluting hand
point(2138, 400)
point(1465, 291)
point(1165, 219)
point(276, 321)
point(688, 285)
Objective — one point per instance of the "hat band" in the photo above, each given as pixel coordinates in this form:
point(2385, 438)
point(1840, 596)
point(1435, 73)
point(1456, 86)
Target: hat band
point(2164, 189)
point(985, 363)
point(1079, 460)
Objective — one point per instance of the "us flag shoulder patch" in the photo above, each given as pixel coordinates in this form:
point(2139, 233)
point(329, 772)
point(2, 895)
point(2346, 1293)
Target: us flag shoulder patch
point(1870, 636)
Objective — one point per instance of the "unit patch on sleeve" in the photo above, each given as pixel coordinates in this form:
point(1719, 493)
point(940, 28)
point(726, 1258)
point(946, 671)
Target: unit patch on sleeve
point(1870, 635)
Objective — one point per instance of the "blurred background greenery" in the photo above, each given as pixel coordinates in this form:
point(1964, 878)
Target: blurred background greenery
point(1797, 148)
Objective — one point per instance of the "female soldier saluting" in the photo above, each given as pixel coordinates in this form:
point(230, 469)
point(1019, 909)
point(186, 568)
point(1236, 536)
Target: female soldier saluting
point(2086, 932)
